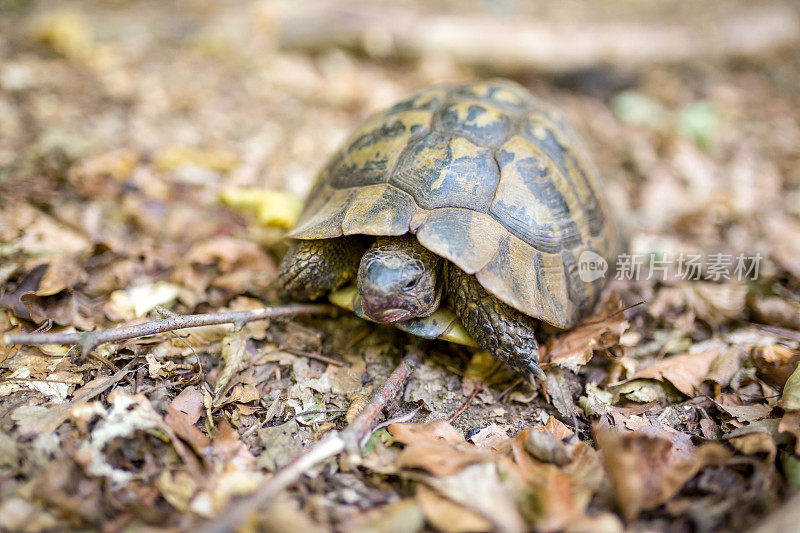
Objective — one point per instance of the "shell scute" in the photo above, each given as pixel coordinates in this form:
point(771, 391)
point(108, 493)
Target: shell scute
point(441, 171)
point(544, 136)
point(533, 199)
point(482, 124)
point(373, 151)
point(379, 210)
point(465, 237)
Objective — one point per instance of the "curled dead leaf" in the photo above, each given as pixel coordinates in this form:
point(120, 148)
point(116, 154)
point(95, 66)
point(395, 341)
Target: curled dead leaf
point(599, 332)
point(552, 497)
point(790, 423)
point(715, 302)
point(647, 470)
point(478, 487)
point(685, 372)
point(442, 458)
point(543, 446)
point(776, 362)
point(790, 399)
point(756, 443)
point(435, 431)
point(448, 516)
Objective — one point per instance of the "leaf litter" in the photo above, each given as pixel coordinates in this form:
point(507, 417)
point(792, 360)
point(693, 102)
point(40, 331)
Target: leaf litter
point(133, 178)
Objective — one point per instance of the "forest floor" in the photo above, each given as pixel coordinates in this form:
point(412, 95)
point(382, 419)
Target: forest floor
point(153, 154)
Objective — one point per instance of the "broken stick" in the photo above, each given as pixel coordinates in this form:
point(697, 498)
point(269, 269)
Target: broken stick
point(331, 445)
point(89, 340)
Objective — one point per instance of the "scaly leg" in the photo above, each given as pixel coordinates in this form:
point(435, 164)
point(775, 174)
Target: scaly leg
point(500, 329)
point(312, 268)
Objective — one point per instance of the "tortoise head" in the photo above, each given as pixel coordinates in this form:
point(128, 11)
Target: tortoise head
point(398, 279)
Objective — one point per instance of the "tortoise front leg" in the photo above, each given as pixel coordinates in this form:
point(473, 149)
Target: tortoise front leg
point(312, 268)
point(500, 329)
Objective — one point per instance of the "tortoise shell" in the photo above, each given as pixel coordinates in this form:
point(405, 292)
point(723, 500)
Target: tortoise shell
point(486, 176)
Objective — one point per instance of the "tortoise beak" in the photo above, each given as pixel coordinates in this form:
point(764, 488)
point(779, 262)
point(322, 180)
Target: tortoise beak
point(385, 315)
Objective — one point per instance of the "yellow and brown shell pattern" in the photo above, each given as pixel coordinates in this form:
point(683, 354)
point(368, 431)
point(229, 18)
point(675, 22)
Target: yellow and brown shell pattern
point(486, 176)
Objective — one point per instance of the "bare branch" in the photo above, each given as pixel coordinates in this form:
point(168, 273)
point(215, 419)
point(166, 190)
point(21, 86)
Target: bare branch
point(90, 340)
point(332, 444)
point(523, 44)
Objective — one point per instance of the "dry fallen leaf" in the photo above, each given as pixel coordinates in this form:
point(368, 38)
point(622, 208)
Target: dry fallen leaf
point(438, 430)
point(685, 372)
point(403, 515)
point(441, 458)
point(448, 516)
point(790, 423)
point(490, 436)
point(756, 443)
point(790, 399)
point(647, 470)
point(182, 414)
point(600, 331)
point(479, 488)
point(552, 497)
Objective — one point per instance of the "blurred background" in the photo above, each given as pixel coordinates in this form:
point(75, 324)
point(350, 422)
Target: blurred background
point(690, 107)
point(155, 152)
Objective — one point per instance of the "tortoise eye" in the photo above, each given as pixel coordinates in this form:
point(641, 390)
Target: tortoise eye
point(411, 284)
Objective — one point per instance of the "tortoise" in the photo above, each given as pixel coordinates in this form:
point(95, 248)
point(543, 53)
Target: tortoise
point(477, 194)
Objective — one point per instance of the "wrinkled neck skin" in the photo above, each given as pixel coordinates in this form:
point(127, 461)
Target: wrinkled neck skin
point(399, 279)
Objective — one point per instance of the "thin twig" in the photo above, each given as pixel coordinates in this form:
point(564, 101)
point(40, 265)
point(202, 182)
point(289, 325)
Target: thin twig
point(467, 403)
point(332, 444)
point(90, 340)
point(358, 337)
point(509, 389)
point(166, 313)
point(405, 417)
point(618, 311)
point(312, 355)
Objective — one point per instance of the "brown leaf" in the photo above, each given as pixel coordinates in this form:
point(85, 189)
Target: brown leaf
point(437, 448)
point(755, 444)
point(715, 302)
point(776, 362)
point(224, 262)
point(790, 423)
point(543, 446)
point(479, 488)
point(646, 470)
point(558, 428)
point(726, 366)
point(685, 371)
point(62, 273)
point(775, 310)
point(403, 515)
point(229, 447)
point(552, 497)
point(790, 399)
point(601, 331)
point(182, 425)
point(437, 430)
point(441, 458)
point(189, 402)
point(490, 436)
point(746, 413)
point(61, 308)
point(448, 516)
point(559, 393)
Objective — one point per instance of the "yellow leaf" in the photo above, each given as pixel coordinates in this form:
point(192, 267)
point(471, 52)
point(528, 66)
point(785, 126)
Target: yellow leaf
point(271, 207)
point(790, 399)
point(174, 157)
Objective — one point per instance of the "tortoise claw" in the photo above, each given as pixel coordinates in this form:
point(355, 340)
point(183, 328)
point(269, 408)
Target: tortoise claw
point(535, 371)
